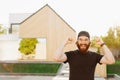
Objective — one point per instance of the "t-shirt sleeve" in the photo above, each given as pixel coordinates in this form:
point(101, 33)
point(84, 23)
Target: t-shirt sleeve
point(68, 54)
point(99, 57)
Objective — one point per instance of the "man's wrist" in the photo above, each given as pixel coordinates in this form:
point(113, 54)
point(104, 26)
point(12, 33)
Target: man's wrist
point(102, 44)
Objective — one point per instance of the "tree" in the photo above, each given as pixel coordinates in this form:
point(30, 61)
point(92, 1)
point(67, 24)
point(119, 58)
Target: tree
point(93, 42)
point(117, 40)
point(118, 31)
point(110, 38)
point(2, 29)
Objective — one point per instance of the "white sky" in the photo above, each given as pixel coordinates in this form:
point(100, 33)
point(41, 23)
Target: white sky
point(95, 16)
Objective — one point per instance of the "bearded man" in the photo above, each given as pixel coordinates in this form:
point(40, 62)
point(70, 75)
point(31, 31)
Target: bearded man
point(82, 62)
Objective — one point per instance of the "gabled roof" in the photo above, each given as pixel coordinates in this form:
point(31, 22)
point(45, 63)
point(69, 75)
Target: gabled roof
point(53, 11)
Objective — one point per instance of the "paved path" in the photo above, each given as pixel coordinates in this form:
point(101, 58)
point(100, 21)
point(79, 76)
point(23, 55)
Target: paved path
point(66, 78)
point(4, 77)
point(37, 78)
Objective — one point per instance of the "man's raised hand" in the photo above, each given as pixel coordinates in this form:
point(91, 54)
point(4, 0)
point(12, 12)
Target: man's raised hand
point(69, 41)
point(99, 41)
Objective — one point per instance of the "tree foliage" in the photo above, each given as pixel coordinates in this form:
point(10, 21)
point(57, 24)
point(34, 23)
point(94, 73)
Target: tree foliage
point(113, 37)
point(28, 45)
point(93, 42)
point(2, 29)
point(112, 40)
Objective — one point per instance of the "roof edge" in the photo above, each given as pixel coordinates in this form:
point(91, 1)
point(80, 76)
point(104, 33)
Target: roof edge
point(34, 13)
point(61, 17)
point(53, 11)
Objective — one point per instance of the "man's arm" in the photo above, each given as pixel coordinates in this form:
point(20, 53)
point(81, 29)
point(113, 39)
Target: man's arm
point(59, 54)
point(108, 57)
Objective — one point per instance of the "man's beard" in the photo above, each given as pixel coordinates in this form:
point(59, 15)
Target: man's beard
point(85, 49)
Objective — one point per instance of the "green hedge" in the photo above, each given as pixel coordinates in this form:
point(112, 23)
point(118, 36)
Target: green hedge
point(30, 68)
point(114, 68)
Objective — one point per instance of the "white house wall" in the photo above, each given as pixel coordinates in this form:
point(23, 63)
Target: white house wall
point(9, 50)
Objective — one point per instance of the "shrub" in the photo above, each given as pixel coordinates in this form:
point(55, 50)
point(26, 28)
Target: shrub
point(28, 45)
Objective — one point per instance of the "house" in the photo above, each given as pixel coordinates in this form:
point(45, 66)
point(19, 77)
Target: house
point(46, 24)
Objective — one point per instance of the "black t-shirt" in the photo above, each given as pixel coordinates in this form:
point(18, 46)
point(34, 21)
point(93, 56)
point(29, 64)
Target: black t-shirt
point(82, 65)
